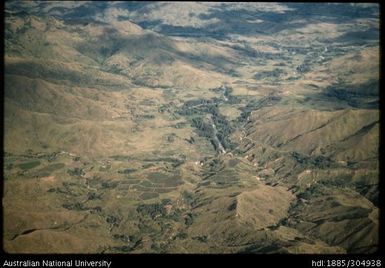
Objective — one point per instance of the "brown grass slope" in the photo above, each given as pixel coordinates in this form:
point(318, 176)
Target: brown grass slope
point(74, 87)
point(350, 134)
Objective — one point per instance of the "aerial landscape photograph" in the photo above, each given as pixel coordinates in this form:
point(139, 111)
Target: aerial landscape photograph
point(191, 127)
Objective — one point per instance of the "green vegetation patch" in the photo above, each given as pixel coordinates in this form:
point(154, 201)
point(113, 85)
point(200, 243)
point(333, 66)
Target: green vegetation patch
point(151, 210)
point(46, 171)
point(121, 157)
point(164, 190)
point(133, 181)
point(142, 189)
point(165, 179)
point(29, 165)
point(233, 162)
point(126, 171)
point(146, 183)
point(75, 172)
point(145, 196)
point(225, 177)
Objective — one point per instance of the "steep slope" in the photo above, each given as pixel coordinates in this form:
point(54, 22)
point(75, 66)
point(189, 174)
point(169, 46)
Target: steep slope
point(87, 75)
point(319, 155)
point(346, 135)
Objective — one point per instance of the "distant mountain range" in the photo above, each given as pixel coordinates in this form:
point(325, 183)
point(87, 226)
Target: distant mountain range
point(196, 127)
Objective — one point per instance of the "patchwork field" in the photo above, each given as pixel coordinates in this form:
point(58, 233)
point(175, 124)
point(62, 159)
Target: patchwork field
point(161, 127)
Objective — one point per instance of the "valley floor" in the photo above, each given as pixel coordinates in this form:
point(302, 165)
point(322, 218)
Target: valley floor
point(151, 127)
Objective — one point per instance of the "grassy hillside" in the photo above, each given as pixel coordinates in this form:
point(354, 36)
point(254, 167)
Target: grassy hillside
point(193, 128)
